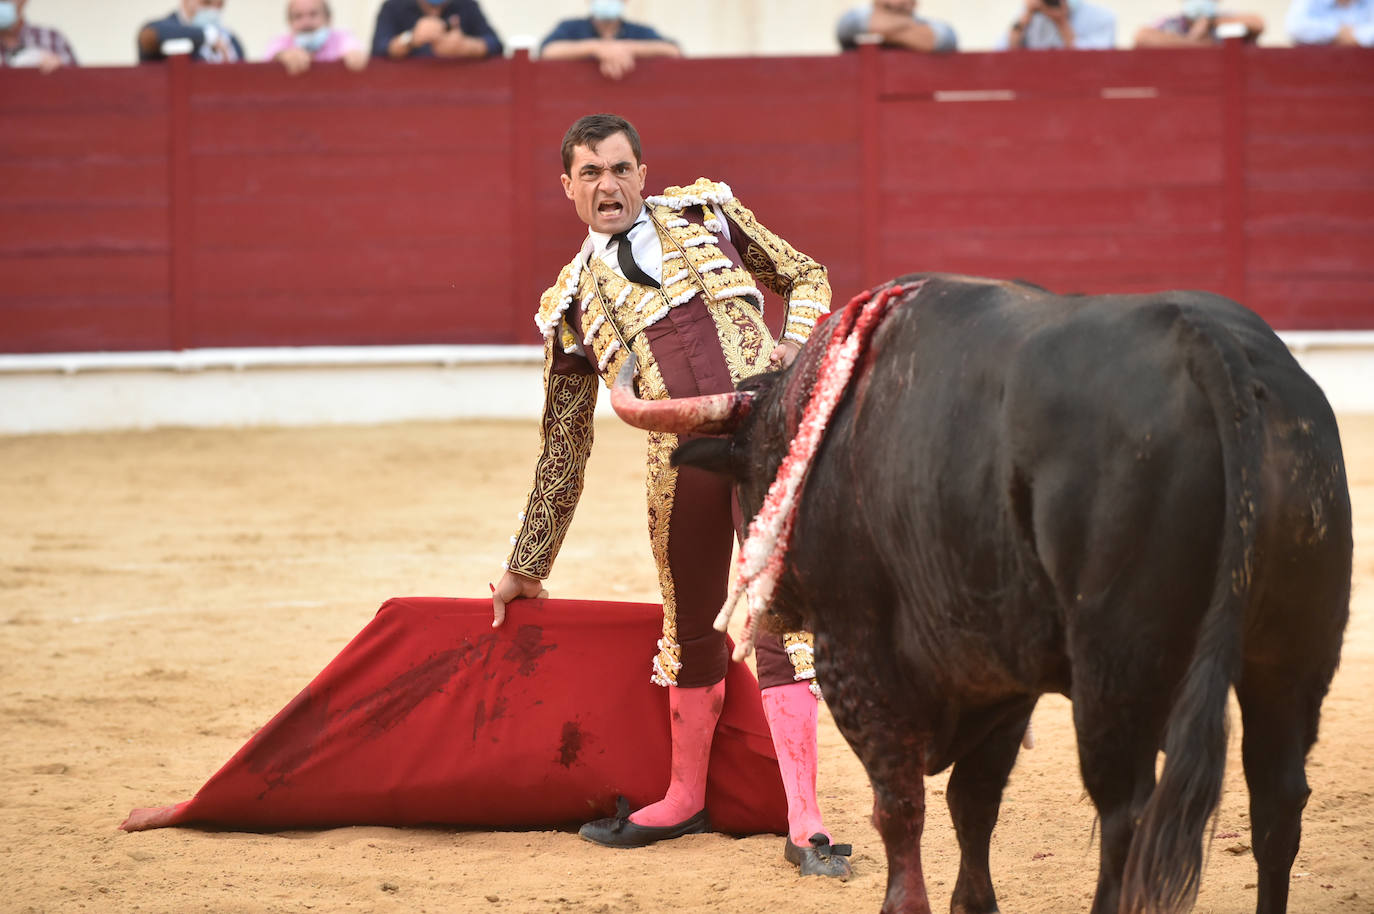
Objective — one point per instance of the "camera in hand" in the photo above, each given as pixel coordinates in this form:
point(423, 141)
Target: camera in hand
point(1052, 3)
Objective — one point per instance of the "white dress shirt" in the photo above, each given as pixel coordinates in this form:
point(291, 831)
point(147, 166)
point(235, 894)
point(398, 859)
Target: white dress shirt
point(644, 244)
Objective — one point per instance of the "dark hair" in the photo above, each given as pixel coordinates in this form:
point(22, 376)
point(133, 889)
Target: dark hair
point(592, 129)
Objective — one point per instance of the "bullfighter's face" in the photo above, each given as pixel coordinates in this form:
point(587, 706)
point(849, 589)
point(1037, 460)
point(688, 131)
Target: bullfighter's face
point(606, 184)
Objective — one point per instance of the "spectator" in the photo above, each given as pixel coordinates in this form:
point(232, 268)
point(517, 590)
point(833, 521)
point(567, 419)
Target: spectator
point(606, 36)
point(894, 23)
point(24, 45)
point(196, 29)
point(313, 37)
point(1343, 22)
point(433, 28)
point(1197, 27)
point(1049, 24)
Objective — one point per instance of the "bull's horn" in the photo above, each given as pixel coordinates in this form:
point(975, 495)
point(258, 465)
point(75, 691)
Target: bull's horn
point(714, 414)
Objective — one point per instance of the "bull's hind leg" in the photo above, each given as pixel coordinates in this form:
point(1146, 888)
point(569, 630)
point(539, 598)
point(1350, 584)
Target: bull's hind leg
point(1280, 722)
point(974, 794)
point(1292, 643)
point(1118, 736)
point(877, 717)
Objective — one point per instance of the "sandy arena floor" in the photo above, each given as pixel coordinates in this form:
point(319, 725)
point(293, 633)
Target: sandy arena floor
point(166, 593)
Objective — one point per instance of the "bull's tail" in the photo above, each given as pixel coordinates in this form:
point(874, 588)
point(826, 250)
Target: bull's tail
point(1164, 866)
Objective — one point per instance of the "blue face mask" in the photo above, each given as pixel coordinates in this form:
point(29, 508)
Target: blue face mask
point(312, 40)
point(608, 9)
point(1200, 9)
point(9, 14)
point(206, 15)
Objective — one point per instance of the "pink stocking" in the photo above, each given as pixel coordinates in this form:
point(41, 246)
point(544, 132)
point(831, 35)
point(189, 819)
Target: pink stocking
point(695, 712)
point(791, 712)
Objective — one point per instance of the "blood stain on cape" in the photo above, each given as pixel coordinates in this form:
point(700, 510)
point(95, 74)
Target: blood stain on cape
point(289, 740)
point(527, 647)
point(571, 745)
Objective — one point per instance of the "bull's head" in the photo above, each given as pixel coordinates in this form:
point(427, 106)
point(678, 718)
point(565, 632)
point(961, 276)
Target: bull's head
point(726, 433)
point(714, 414)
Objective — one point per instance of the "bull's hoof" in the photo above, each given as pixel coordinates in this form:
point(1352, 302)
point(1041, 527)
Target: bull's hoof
point(619, 831)
point(820, 859)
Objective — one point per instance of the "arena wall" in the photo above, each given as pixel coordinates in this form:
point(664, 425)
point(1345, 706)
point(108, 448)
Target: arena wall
point(185, 207)
point(178, 210)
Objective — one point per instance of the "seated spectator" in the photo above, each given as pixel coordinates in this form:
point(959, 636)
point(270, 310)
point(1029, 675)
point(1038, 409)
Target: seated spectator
point(24, 45)
point(1342, 22)
point(1197, 27)
point(894, 24)
point(313, 37)
point(1047, 24)
point(433, 28)
point(196, 29)
point(606, 36)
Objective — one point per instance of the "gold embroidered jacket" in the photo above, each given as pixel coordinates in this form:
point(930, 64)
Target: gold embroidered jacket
point(615, 311)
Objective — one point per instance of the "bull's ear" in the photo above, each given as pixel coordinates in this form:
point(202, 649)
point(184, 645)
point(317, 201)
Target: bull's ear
point(710, 454)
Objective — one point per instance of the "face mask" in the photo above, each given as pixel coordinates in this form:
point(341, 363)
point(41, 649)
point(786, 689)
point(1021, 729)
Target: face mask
point(206, 15)
point(9, 14)
point(608, 9)
point(312, 40)
point(1199, 9)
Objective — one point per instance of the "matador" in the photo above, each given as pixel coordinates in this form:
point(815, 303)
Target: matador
point(673, 279)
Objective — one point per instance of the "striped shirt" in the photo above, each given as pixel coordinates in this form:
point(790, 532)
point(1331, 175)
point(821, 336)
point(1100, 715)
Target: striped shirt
point(39, 38)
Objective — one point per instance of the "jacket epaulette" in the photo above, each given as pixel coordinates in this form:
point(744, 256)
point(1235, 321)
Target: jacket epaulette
point(553, 304)
point(701, 192)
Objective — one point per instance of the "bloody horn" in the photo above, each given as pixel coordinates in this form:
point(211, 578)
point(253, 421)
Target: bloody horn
point(713, 414)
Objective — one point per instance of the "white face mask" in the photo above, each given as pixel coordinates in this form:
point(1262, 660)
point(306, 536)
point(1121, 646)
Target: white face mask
point(9, 14)
point(312, 40)
point(206, 15)
point(1199, 9)
point(608, 9)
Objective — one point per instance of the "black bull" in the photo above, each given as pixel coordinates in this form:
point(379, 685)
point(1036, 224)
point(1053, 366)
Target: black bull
point(1137, 501)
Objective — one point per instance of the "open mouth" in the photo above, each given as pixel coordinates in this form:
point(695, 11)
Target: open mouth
point(610, 208)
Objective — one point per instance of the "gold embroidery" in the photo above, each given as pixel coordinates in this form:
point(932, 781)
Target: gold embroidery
point(662, 487)
point(799, 279)
point(565, 442)
point(602, 288)
point(651, 385)
point(745, 340)
point(567, 338)
point(758, 263)
point(551, 307)
point(801, 650)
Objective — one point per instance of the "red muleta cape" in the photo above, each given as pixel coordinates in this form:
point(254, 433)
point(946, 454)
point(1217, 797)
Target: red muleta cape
point(431, 716)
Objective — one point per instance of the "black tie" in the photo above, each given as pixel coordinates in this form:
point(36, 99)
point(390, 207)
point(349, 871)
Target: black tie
point(627, 261)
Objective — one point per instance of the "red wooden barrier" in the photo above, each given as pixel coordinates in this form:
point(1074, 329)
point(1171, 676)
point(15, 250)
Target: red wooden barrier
point(184, 206)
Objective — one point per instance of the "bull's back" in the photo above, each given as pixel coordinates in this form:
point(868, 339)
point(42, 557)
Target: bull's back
point(1065, 458)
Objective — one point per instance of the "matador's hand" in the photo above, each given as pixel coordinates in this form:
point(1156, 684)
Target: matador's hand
point(783, 354)
point(513, 586)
